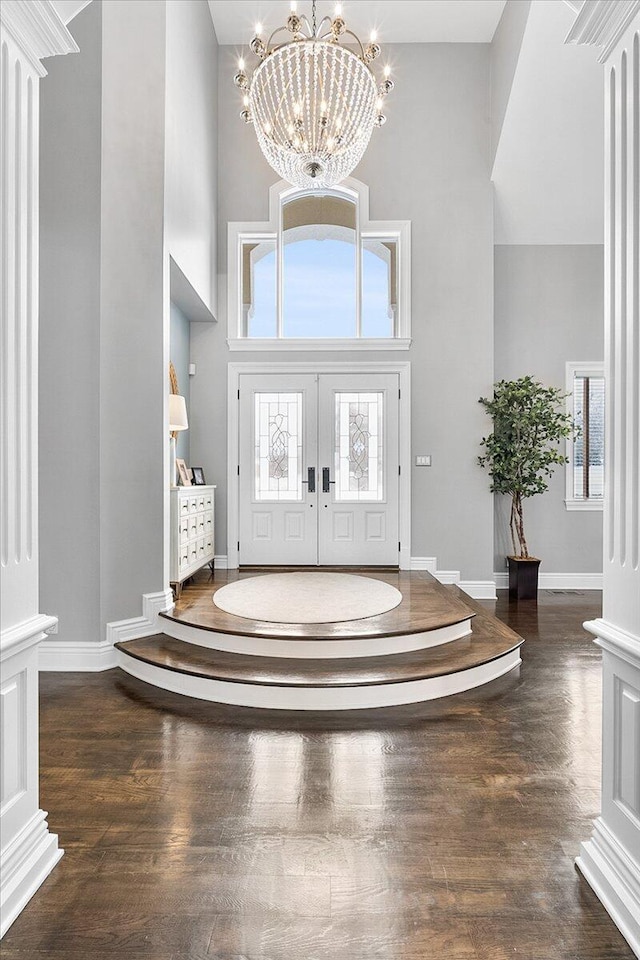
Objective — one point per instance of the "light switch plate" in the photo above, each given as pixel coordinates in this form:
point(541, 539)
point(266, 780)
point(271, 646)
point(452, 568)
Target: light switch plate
point(423, 461)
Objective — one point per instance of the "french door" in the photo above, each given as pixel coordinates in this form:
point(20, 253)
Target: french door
point(318, 471)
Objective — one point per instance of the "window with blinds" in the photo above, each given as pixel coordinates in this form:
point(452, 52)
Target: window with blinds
point(585, 480)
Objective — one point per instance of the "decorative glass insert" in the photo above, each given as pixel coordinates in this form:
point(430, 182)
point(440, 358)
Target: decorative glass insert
point(588, 448)
point(278, 446)
point(359, 447)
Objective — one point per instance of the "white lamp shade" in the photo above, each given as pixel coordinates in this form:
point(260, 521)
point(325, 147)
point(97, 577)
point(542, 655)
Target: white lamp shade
point(177, 413)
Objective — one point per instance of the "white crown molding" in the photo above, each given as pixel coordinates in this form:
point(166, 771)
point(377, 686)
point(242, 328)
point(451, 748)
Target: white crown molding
point(91, 656)
point(37, 29)
point(601, 23)
point(557, 581)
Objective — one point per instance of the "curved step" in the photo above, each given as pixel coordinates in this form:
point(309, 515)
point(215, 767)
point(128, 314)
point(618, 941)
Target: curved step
point(338, 684)
point(429, 615)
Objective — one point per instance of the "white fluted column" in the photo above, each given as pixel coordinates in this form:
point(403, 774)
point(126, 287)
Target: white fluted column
point(610, 860)
point(29, 31)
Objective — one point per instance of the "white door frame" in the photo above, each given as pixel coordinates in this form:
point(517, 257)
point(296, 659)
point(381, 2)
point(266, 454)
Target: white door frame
point(235, 370)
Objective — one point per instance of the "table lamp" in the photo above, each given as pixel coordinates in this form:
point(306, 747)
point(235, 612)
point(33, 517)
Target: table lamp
point(177, 421)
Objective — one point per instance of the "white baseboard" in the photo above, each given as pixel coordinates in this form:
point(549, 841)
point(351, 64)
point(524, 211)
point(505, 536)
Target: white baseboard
point(479, 589)
point(220, 562)
point(26, 863)
point(90, 656)
point(82, 656)
point(557, 581)
point(615, 879)
point(430, 564)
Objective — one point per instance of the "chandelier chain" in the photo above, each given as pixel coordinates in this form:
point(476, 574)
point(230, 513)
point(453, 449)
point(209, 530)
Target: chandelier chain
point(313, 16)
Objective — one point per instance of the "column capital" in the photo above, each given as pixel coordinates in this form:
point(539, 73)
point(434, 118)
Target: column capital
point(37, 29)
point(601, 23)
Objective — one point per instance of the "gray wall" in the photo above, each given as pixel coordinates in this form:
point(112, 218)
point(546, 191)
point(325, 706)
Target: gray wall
point(192, 144)
point(108, 167)
point(429, 164)
point(548, 310)
point(134, 322)
point(179, 353)
point(69, 384)
point(505, 50)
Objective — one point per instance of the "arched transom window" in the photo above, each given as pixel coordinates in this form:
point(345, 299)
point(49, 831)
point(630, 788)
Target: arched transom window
point(322, 274)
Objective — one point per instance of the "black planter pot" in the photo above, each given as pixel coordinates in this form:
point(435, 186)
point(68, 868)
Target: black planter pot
point(523, 578)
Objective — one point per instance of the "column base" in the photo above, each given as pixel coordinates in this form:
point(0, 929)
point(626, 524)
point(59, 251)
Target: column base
point(26, 863)
point(615, 879)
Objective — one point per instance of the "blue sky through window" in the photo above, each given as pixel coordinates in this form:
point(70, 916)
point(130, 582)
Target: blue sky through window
point(319, 292)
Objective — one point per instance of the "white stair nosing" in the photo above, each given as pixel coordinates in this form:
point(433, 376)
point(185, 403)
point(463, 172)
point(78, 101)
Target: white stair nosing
point(315, 649)
point(277, 697)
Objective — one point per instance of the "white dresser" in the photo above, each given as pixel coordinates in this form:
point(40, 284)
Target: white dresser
point(192, 531)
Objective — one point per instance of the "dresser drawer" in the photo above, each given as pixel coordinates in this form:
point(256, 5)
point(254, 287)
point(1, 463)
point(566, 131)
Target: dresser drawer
point(193, 503)
point(183, 506)
point(183, 529)
point(183, 561)
point(208, 524)
point(192, 522)
point(208, 501)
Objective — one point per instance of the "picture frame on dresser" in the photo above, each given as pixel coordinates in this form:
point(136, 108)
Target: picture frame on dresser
point(197, 477)
point(183, 472)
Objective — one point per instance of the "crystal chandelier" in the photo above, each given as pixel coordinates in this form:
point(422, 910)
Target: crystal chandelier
point(313, 98)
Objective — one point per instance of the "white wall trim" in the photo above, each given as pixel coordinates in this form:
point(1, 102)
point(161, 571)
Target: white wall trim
point(615, 640)
point(300, 345)
point(591, 368)
point(90, 656)
point(220, 562)
point(477, 589)
point(557, 581)
point(27, 860)
point(279, 192)
point(601, 23)
point(615, 879)
point(37, 29)
point(586, 506)
point(235, 370)
point(17, 638)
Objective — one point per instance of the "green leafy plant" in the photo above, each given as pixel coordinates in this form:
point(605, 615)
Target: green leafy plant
point(529, 423)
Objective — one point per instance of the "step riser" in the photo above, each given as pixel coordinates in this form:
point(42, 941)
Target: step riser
point(315, 649)
point(320, 698)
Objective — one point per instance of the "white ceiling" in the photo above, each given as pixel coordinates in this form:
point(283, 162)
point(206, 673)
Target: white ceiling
point(67, 9)
point(397, 21)
point(549, 168)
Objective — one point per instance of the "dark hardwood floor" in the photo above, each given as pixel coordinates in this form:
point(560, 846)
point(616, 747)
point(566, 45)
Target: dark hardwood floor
point(441, 831)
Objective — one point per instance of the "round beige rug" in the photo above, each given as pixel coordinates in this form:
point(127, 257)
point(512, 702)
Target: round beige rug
point(307, 597)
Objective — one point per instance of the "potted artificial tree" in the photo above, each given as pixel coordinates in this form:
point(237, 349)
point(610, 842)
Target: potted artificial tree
point(529, 423)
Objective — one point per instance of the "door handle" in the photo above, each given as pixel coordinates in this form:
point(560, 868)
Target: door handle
point(311, 481)
point(326, 482)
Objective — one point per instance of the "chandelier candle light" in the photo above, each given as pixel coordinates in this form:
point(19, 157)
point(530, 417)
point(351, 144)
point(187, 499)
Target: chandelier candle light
point(313, 98)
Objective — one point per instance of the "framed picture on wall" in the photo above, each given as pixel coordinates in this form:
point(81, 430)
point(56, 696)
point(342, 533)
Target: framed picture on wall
point(197, 477)
point(183, 472)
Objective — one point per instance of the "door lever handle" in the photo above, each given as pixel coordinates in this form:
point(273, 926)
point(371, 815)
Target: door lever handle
point(311, 481)
point(326, 482)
